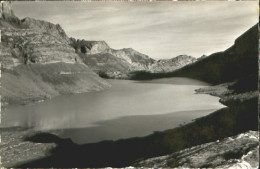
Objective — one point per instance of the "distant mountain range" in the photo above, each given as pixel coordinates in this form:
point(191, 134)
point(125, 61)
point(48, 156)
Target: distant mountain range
point(169, 65)
point(111, 63)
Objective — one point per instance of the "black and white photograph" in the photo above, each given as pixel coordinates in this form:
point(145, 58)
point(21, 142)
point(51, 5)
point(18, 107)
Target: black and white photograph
point(129, 84)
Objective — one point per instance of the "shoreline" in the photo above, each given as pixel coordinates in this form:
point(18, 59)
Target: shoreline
point(227, 95)
point(220, 91)
point(31, 101)
point(5, 102)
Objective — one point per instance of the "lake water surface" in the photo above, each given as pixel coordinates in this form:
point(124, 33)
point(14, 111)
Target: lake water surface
point(127, 109)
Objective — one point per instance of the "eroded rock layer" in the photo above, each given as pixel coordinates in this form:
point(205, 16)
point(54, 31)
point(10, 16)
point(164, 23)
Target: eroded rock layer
point(38, 62)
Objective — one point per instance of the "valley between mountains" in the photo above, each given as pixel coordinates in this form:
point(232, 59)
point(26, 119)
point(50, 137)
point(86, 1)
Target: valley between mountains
point(39, 62)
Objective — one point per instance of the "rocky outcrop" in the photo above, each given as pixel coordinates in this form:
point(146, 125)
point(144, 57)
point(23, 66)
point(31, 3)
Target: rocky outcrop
point(94, 47)
point(34, 46)
point(169, 65)
point(38, 61)
point(47, 27)
point(137, 59)
point(241, 151)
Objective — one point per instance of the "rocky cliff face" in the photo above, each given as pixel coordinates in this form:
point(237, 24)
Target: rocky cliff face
point(241, 151)
point(94, 47)
point(38, 61)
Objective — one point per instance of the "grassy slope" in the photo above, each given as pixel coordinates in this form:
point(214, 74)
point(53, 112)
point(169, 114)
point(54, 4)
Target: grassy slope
point(104, 62)
point(33, 82)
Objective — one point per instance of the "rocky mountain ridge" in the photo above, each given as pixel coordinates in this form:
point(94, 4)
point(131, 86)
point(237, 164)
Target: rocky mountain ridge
point(110, 62)
point(169, 65)
point(119, 63)
point(38, 61)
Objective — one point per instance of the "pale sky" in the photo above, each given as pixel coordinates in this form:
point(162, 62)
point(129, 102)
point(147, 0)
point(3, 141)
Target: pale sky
point(157, 29)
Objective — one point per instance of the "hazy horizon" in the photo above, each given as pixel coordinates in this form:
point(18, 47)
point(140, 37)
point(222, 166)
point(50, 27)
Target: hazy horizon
point(158, 29)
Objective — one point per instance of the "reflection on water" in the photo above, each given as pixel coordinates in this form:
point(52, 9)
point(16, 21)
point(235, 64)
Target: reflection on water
point(131, 126)
point(124, 98)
